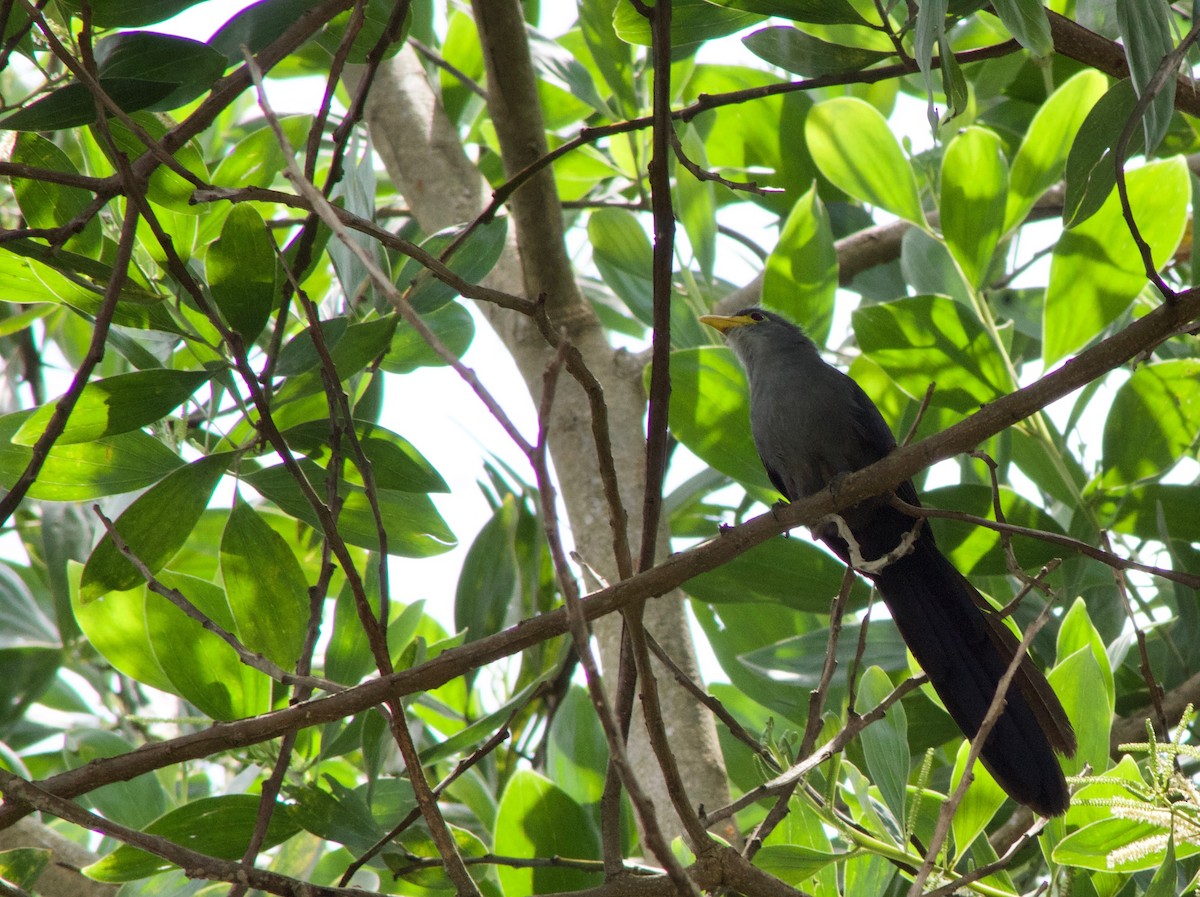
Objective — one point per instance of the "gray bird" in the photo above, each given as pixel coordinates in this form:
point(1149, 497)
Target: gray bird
point(813, 425)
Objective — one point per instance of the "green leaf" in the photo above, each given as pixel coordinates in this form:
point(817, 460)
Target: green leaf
point(1081, 687)
point(477, 731)
point(1077, 631)
point(136, 802)
point(348, 655)
point(801, 276)
point(802, 54)
point(1146, 27)
point(489, 580)
point(822, 12)
point(885, 743)
point(928, 267)
point(623, 256)
point(1026, 21)
point(1096, 269)
point(258, 158)
point(1042, 156)
point(1091, 846)
point(116, 405)
point(973, 196)
point(1161, 404)
point(979, 805)
point(924, 339)
point(452, 324)
point(167, 187)
point(22, 866)
point(256, 26)
point(341, 815)
point(265, 587)
point(154, 527)
point(792, 863)
point(472, 262)
point(791, 572)
point(854, 147)
point(372, 29)
point(692, 23)
point(351, 348)
point(413, 526)
point(189, 66)
point(697, 204)
point(536, 818)
point(1149, 509)
point(201, 667)
point(930, 32)
point(132, 13)
point(217, 826)
point(23, 624)
point(576, 750)
point(115, 625)
point(1090, 172)
point(416, 842)
point(1164, 883)
point(612, 56)
point(44, 203)
point(395, 462)
point(106, 466)
point(976, 551)
point(74, 105)
point(710, 413)
point(243, 272)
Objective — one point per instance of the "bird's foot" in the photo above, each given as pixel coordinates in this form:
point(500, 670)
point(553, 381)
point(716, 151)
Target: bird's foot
point(834, 486)
point(869, 567)
point(779, 505)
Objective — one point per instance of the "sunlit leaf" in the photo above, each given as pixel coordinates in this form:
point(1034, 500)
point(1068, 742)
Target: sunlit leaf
point(109, 465)
point(931, 339)
point(1042, 156)
point(885, 744)
point(116, 405)
point(243, 273)
point(536, 818)
point(1096, 269)
point(412, 524)
point(153, 528)
point(854, 147)
point(801, 276)
point(266, 589)
point(1161, 404)
point(974, 192)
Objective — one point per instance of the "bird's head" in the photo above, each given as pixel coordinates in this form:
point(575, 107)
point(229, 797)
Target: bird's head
point(754, 332)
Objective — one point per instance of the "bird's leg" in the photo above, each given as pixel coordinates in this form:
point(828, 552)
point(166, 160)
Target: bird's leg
point(875, 565)
point(776, 508)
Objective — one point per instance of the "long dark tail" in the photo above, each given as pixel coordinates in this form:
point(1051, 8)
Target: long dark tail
point(965, 651)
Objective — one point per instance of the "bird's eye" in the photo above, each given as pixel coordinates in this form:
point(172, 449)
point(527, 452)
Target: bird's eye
point(757, 316)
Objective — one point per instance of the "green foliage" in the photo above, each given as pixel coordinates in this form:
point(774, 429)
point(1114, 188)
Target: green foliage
point(241, 392)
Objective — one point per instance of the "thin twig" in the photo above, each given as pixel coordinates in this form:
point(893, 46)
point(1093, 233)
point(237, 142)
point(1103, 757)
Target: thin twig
point(1152, 684)
point(832, 747)
point(1166, 73)
point(736, 729)
point(250, 658)
point(1190, 580)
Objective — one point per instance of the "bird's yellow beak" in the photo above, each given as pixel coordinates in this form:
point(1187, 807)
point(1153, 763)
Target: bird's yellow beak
point(725, 323)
